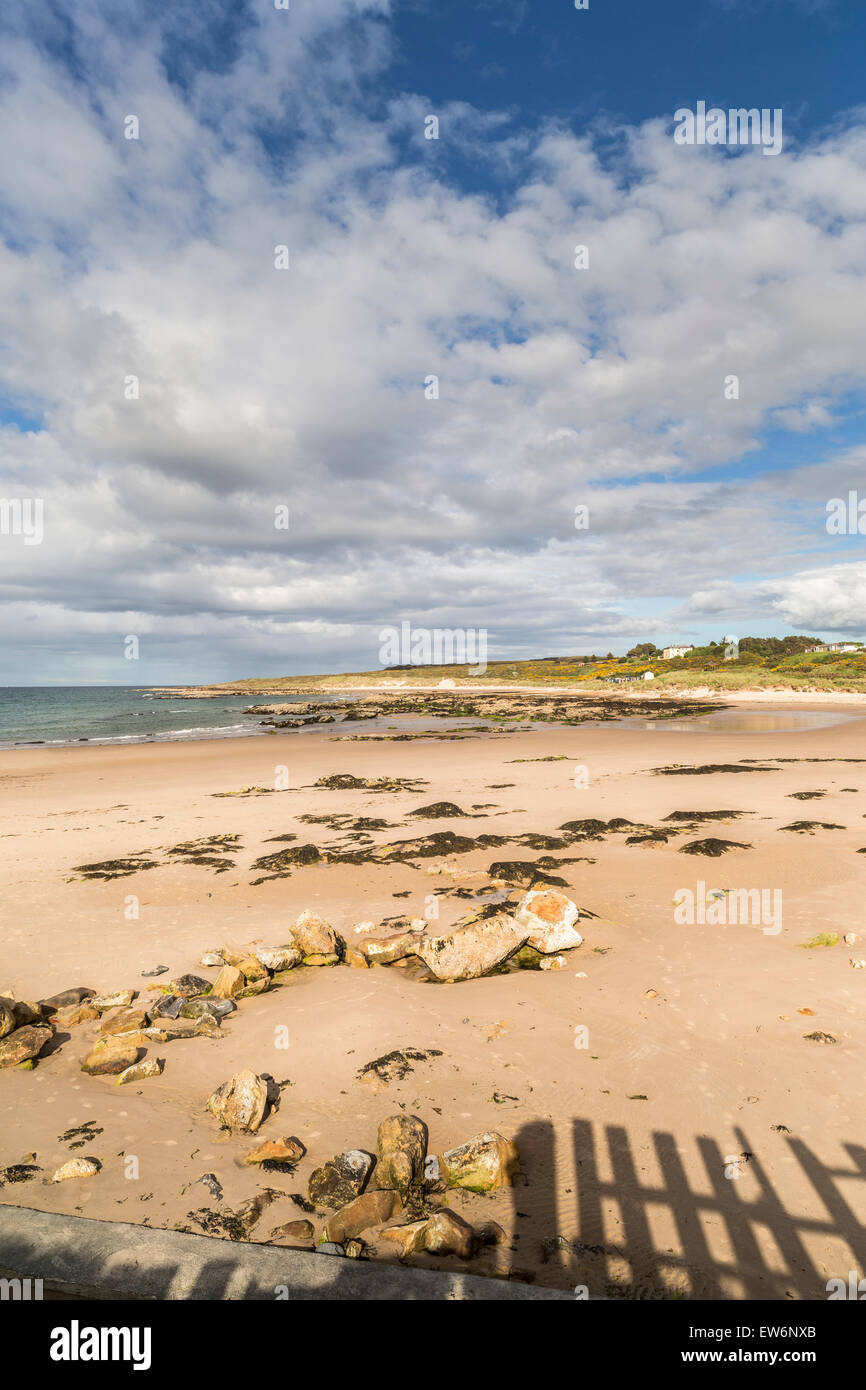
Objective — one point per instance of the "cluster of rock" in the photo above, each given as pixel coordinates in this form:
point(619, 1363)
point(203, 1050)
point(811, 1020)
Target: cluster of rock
point(126, 1026)
point(360, 1190)
point(532, 931)
point(535, 930)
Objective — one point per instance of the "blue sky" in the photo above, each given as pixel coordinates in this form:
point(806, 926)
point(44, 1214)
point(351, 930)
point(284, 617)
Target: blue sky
point(152, 261)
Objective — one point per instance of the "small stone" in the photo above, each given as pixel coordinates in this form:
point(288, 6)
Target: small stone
point(277, 1151)
point(820, 1037)
point(401, 1144)
point(327, 1247)
point(188, 986)
point(124, 1020)
point(408, 1239)
point(384, 950)
point(278, 958)
point(7, 1018)
point(206, 1008)
point(484, 1163)
point(356, 958)
point(552, 963)
point(850, 938)
point(139, 1071)
point(207, 1027)
point(110, 1056)
point(371, 1209)
point(257, 987)
point(240, 1104)
point(253, 970)
point(211, 958)
point(301, 1232)
point(120, 999)
point(857, 964)
point(72, 1015)
point(24, 1044)
point(157, 970)
point(228, 983)
point(432, 1171)
point(77, 1168)
point(169, 1006)
point(354, 1249)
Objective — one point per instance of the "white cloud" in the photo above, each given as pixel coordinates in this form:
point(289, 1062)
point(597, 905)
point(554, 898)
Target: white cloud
point(304, 387)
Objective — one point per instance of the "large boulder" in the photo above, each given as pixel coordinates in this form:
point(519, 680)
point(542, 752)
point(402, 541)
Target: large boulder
point(472, 948)
point(401, 1144)
point(315, 937)
point(448, 1234)
point(341, 1179)
point(549, 919)
point(486, 1162)
point(371, 1209)
point(240, 1104)
point(23, 1044)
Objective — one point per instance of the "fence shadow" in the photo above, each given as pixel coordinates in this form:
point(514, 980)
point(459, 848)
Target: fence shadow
point(725, 1244)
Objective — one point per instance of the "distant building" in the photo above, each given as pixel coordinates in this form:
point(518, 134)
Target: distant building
point(837, 647)
point(670, 652)
point(649, 675)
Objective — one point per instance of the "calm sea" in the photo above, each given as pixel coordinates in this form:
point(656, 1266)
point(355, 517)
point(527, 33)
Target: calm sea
point(119, 714)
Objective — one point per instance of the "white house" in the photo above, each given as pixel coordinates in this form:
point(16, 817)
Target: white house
point(670, 652)
point(837, 647)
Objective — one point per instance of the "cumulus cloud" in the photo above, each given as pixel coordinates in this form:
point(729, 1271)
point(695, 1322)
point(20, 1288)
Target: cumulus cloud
point(259, 387)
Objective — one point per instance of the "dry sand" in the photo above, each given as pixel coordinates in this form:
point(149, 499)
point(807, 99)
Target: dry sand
point(657, 1151)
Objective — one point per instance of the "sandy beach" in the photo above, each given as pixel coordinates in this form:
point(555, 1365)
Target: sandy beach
point(693, 1140)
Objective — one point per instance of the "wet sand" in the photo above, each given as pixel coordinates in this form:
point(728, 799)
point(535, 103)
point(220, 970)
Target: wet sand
point(698, 1143)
